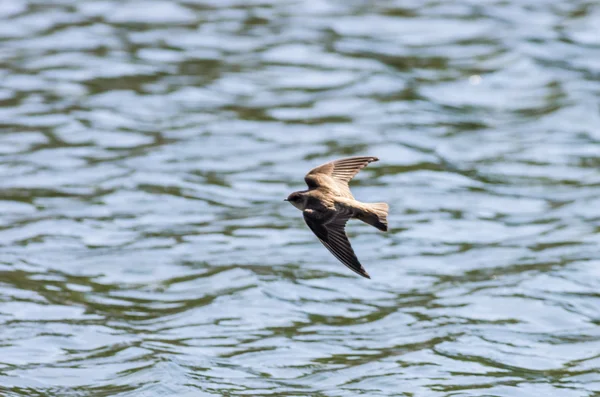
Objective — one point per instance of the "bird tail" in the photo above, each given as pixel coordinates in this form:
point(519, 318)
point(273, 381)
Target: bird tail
point(375, 214)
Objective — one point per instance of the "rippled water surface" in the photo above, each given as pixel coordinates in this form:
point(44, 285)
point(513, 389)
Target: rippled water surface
point(146, 147)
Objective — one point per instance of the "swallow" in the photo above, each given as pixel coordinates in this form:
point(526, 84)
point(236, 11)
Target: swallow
point(328, 204)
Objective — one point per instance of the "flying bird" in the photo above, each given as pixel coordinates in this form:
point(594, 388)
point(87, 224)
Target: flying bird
point(328, 204)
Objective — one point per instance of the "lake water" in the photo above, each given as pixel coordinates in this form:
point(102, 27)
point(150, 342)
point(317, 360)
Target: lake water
point(146, 147)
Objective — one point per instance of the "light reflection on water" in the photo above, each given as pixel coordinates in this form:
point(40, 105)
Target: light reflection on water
point(145, 148)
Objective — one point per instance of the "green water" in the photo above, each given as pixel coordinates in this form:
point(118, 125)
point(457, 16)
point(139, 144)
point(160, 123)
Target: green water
point(146, 147)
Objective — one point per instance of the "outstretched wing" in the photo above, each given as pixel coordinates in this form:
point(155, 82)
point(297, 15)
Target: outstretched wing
point(334, 238)
point(341, 171)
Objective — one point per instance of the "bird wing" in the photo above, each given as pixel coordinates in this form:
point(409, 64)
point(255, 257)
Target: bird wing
point(341, 171)
point(334, 238)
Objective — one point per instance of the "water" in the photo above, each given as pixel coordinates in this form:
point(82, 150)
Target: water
point(146, 148)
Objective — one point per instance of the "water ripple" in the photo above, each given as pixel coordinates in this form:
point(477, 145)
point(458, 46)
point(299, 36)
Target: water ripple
point(145, 148)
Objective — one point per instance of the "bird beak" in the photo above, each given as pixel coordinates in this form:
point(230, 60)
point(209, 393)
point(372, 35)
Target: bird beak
point(285, 199)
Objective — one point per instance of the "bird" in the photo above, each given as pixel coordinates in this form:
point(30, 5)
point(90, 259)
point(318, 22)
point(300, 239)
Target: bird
point(328, 204)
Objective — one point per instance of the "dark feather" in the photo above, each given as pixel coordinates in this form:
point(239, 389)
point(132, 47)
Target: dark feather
point(333, 236)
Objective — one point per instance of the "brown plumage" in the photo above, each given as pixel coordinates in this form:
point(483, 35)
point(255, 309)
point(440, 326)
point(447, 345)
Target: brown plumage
point(328, 204)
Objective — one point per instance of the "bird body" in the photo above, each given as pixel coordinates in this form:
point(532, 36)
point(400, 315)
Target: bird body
point(328, 204)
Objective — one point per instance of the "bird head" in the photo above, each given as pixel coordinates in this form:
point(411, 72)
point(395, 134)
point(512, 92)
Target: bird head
point(297, 199)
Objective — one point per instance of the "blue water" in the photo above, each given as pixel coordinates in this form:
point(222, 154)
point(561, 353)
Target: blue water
point(146, 147)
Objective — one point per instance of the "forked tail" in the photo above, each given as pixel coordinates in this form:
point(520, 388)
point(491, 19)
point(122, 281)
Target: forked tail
point(375, 214)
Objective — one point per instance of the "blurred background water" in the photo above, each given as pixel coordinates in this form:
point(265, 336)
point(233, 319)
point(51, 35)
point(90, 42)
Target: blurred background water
point(146, 147)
